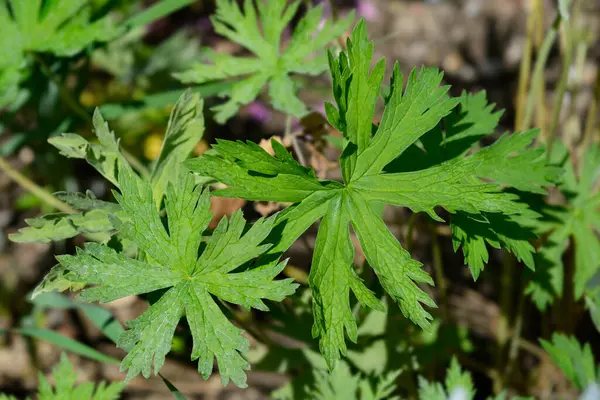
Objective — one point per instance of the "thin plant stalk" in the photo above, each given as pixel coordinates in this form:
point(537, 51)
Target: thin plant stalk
point(517, 330)
point(525, 70)
point(538, 71)
point(561, 88)
point(438, 268)
point(295, 145)
point(33, 188)
point(409, 232)
point(539, 39)
point(506, 302)
point(591, 123)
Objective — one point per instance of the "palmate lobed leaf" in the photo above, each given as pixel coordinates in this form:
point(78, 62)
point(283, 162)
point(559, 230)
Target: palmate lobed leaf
point(190, 282)
point(381, 168)
point(258, 27)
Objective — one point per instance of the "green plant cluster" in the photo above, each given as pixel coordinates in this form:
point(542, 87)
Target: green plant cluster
point(425, 154)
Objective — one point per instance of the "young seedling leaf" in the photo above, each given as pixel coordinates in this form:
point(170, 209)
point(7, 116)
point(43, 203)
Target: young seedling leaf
point(341, 384)
point(65, 386)
point(575, 361)
point(458, 385)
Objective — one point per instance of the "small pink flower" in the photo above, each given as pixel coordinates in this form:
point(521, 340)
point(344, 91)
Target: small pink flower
point(368, 10)
point(258, 111)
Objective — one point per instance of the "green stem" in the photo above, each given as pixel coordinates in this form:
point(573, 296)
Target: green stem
point(538, 71)
point(135, 163)
point(294, 139)
point(513, 350)
point(438, 268)
point(525, 71)
point(508, 272)
point(592, 117)
point(34, 189)
point(561, 88)
point(409, 232)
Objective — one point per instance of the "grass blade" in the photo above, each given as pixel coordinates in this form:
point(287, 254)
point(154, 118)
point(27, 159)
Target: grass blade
point(67, 343)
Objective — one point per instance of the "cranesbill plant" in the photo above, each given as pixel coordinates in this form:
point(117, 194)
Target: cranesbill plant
point(424, 133)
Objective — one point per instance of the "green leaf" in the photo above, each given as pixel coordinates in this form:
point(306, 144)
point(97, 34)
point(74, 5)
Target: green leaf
point(449, 185)
point(359, 96)
point(592, 302)
point(99, 316)
point(510, 162)
point(473, 232)
point(332, 277)
point(184, 131)
point(66, 343)
point(579, 221)
point(258, 27)
point(337, 385)
point(461, 185)
point(56, 280)
point(279, 179)
point(155, 12)
point(341, 384)
point(398, 273)
point(413, 112)
point(174, 391)
point(458, 385)
point(65, 387)
point(62, 28)
point(458, 380)
point(104, 156)
point(575, 361)
point(190, 283)
point(87, 201)
point(60, 226)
